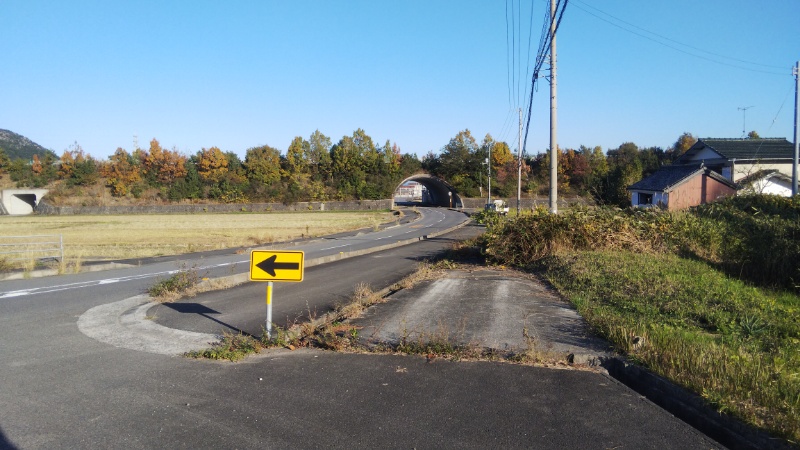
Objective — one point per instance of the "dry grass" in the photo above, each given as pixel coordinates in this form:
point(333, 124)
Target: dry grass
point(139, 236)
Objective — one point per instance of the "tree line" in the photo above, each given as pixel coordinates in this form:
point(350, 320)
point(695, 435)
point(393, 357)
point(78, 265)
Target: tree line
point(316, 169)
point(313, 169)
point(585, 171)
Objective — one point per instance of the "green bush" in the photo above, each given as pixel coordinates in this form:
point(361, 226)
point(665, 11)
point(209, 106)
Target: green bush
point(756, 238)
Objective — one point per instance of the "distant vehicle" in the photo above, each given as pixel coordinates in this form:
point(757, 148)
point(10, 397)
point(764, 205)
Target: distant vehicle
point(498, 206)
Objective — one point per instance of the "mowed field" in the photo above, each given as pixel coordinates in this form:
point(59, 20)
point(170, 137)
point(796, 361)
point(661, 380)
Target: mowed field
point(136, 236)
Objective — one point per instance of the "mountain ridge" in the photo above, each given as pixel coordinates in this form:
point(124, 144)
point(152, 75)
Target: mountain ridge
point(18, 146)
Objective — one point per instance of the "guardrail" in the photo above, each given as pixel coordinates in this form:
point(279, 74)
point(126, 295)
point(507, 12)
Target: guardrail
point(35, 247)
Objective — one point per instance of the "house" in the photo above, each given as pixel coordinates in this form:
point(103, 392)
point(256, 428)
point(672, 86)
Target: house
point(736, 159)
point(766, 182)
point(681, 186)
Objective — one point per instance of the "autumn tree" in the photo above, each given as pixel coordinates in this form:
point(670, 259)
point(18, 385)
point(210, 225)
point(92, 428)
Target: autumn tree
point(78, 168)
point(121, 173)
point(233, 186)
point(212, 164)
point(163, 166)
point(685, 142)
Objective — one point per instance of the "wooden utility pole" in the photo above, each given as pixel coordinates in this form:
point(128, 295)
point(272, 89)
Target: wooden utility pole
point(553, 114)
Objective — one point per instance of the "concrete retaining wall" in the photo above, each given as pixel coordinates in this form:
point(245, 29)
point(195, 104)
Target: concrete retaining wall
point(525, 203)
point(356, 205)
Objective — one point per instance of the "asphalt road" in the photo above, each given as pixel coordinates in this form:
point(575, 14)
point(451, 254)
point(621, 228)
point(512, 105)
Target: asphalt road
point(243, 308)
point(62, 389)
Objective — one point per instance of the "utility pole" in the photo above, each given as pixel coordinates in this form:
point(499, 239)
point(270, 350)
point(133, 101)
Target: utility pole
point(553, 114)
point(489, 188)
point(796, 73)
point(519, 163)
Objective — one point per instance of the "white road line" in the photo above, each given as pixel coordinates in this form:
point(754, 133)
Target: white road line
point(85, 284)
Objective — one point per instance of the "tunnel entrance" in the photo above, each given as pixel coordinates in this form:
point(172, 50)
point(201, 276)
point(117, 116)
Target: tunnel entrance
point(424, 189)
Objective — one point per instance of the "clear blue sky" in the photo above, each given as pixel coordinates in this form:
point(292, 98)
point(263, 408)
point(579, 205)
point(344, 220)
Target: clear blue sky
point(239, 74)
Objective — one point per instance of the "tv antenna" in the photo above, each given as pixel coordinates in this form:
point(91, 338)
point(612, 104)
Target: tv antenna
point(744, 109)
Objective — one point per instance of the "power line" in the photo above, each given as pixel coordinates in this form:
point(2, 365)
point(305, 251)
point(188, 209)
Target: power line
point(528, 61)
point(677, 42)
point(544, 44)
point(508, 59)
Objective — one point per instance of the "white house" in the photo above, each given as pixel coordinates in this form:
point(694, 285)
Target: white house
point(766, 182)
point(736, 159)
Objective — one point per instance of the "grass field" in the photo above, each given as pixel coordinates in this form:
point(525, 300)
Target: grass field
point(137, 236)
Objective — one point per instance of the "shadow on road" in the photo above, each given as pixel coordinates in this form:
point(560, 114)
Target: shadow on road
point(202, 311)
point(5, 444)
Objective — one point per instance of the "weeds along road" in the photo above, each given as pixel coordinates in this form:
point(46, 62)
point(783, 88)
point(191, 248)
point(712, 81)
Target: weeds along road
point(62, 389)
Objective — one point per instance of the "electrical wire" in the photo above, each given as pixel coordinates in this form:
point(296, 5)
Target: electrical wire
point(508, 59)
point(676, 48)
point(673, 40)
point(551, 23)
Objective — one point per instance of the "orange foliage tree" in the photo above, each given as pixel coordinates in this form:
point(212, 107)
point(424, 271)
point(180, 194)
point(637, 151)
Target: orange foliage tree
point(121, 173)
point(212, 164)
point(163, 166)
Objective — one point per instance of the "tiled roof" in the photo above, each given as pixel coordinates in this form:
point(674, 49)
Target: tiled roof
point(770, 173)
point(666, 177)
point(767, 148)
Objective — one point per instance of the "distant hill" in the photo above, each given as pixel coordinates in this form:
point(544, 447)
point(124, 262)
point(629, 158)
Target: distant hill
point(18, 146)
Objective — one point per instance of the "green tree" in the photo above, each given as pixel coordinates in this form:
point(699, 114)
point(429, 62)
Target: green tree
point(5, 162)
point(625, 169)
point(263, 168)
point(188, 187)
point(753, 135)
point(319, 157)
point(78, 168)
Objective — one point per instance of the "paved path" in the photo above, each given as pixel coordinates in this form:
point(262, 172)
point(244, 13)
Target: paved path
point(490, 308)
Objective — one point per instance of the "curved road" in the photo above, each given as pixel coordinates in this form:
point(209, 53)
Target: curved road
point(117, 284)
point(62, 389)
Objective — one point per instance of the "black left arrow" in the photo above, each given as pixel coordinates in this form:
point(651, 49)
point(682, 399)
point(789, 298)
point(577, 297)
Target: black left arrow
point(269, 265)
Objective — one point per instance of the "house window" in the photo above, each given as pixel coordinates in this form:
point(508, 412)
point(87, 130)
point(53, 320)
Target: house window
point(645, 199)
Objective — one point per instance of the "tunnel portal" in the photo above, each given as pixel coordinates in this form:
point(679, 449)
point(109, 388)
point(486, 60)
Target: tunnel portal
point(437, 192)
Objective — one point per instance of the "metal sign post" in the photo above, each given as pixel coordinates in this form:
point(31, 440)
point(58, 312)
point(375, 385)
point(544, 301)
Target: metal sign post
point(275, 265)
point(269, 310)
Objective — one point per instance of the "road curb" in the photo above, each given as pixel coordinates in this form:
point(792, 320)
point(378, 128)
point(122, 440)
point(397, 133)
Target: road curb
point(132, 329)
point(691, 408)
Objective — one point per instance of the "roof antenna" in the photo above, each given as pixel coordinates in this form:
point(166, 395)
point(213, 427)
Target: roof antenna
point(744, 109)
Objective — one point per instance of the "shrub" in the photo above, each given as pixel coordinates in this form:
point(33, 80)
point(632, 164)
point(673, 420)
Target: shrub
point(756, 238)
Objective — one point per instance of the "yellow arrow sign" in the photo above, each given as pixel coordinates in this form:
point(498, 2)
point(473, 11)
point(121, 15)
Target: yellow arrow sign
point(278, 265)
